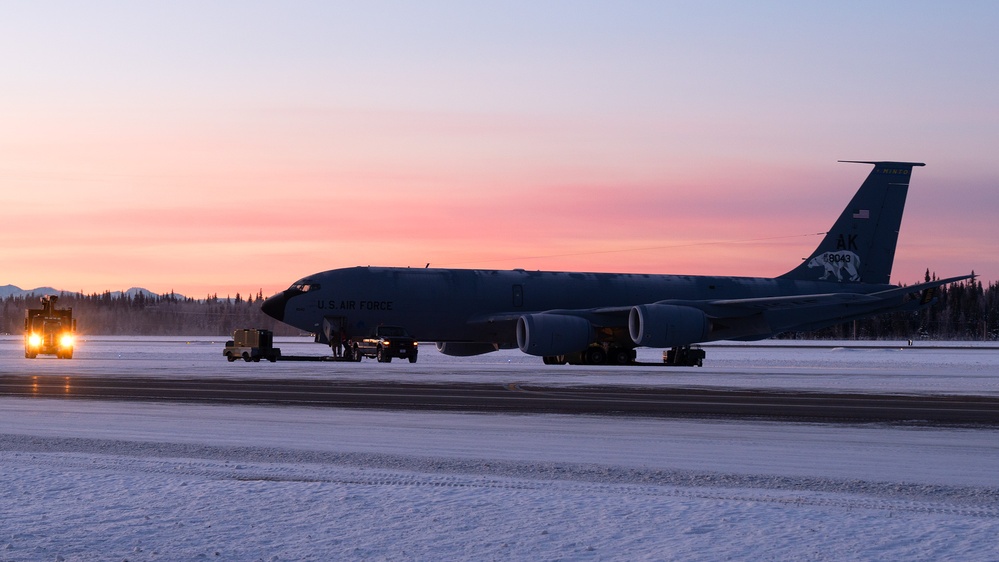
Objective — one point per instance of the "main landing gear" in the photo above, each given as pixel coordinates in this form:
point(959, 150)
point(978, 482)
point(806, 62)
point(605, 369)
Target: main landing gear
point(682, 356)
point(595, 355)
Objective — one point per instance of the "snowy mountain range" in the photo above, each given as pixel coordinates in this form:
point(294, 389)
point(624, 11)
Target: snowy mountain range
point(15, 291)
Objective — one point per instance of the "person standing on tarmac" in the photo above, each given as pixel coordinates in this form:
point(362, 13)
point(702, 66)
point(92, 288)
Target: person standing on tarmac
point(336, 342)
point(344, 341)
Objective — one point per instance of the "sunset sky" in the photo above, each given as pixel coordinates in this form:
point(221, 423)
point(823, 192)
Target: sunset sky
point(224, 147)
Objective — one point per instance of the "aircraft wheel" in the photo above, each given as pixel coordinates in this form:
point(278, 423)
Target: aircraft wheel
point(621, 356)
point(596, 356)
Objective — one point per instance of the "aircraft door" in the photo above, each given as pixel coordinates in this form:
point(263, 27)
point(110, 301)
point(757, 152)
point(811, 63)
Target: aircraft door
point(332, 328)
point(518, 296)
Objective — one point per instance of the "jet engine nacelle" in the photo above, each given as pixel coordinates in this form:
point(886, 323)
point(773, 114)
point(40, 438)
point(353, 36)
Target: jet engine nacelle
point(547, 334)
point(465, 349)
point(666, 325)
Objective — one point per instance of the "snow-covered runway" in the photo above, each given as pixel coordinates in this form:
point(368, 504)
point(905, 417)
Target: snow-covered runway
point(98, 480)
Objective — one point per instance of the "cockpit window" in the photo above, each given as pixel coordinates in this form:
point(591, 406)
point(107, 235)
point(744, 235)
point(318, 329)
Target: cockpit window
point(305, 287)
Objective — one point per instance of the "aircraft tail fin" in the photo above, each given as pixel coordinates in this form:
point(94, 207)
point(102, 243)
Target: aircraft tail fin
point(860, 246)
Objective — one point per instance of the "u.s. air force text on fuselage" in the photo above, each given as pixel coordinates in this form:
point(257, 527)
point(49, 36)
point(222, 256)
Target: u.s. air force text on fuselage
point(334, 304)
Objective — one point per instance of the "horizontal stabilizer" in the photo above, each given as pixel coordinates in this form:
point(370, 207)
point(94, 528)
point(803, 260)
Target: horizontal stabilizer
point(734, 306)
point(901, 291)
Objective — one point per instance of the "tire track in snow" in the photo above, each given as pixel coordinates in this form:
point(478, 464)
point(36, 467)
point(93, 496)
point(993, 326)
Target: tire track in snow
point(568, 479)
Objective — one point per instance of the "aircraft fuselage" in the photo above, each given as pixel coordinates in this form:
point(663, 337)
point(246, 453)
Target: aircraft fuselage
point(474, 305)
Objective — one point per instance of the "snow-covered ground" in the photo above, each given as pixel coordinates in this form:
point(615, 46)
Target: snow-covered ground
point(140, 481)
point(891, 367)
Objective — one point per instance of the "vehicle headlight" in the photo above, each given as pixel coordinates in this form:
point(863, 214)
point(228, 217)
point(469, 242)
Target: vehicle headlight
point(387, 343)
point(34, 340)
point(66, 340)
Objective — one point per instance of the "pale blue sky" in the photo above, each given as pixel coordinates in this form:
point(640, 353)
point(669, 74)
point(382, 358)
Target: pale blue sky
point(531, 128)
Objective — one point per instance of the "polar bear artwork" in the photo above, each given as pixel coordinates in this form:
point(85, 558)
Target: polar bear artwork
point(834, 264)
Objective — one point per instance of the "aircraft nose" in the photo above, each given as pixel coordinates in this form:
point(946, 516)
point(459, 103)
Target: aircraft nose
point(274, 306)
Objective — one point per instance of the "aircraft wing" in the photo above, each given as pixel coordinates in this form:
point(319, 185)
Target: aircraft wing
point(594, 315)
point(682, 322)
point(743, 307)
point(734, 308)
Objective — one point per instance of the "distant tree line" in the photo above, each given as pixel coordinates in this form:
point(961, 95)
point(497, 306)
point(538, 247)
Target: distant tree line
point(144, 315)
point(965, 311)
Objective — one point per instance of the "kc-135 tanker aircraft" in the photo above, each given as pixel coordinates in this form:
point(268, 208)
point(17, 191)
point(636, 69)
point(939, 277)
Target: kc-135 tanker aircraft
point(597, 318)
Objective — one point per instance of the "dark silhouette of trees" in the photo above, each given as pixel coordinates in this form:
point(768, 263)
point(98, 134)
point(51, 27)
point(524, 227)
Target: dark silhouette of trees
point(144, 315)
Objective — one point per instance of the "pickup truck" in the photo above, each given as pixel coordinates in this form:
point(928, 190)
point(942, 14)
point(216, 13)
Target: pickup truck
point(384, 343)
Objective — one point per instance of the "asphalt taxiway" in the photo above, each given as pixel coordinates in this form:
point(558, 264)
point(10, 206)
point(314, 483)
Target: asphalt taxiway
point(519, 398)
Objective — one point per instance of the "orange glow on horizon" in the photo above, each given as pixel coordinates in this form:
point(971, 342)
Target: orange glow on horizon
point(224, 243)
